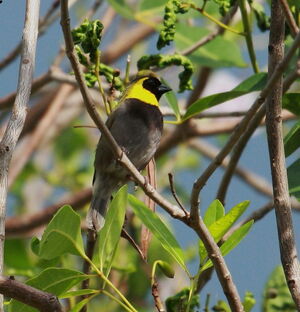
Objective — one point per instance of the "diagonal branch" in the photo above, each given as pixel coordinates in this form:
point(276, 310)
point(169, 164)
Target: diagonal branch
point(239, 130)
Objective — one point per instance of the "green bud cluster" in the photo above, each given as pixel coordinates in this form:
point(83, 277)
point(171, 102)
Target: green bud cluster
point(162, 61)
point(166, 35)
point(87, 38)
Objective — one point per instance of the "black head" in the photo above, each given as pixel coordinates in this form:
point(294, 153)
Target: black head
point(156, 87)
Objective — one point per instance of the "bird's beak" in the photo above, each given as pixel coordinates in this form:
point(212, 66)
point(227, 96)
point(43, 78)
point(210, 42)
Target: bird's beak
point(163, 89)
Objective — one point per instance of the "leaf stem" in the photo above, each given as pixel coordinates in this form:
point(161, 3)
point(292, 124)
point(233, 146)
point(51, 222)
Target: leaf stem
point(210, 17)
point(101, 275)
point(248, 37)
point(97, 70)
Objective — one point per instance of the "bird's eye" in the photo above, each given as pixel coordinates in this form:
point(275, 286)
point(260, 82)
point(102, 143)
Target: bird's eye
point(151, 83)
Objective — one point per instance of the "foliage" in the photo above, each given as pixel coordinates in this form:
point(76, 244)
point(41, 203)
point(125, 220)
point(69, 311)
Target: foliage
point(194, 35)
point(276, 294)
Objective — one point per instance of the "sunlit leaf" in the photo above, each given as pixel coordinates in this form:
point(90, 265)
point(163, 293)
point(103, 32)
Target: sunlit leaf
point(251, 84)
point(220, 227)
point(158, 229)
point(62, 235)
point(109, 235)
point(292, 140)
point(233, 240)
point(214, 212)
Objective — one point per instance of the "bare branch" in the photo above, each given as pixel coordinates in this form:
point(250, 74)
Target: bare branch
point(254, 180)
point(198, 185)
point(41, 300)
point(17, 119)
point(23, 225)
point(282, 202)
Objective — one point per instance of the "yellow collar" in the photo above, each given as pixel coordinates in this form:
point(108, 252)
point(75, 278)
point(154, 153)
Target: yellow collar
point(137, 91)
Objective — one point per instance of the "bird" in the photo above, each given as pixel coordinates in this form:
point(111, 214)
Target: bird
point(136, 125)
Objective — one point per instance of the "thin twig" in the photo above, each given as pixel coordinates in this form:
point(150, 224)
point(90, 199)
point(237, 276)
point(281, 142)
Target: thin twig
point(241, 144)
point(41, 300)
point(200, 182)
point(173, 191)
point(220, 266)
point(282, 202)
point(289, 17)
point(252, 179)
point(248, 37)
point(20, 159)
point(17, 119)
point(218, 31)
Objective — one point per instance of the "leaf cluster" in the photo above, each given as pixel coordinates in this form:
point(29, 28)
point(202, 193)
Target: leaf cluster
point(163, 61)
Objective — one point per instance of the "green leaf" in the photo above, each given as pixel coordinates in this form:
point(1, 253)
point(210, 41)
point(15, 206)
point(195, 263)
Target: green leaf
point(249, 301)
point(150, 8)
point(217, 53)
point(214, 212)
point(291, 102)
point(221, 306)
point(220, 227)
point(159, 230)
point(293, 172)
point(166, 268)
point(276, 294)
point(62, 235)
point(109, 235)
point(52, 280)
point(233, 240)
point(179, 301)
point(292, 140)
point(172, 101)
point(122, 8)
point(81, 304)
point(16, 255)
point(80, 292)
point(251, 84)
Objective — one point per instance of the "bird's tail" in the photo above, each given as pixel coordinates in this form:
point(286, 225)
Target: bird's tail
point(96, 216)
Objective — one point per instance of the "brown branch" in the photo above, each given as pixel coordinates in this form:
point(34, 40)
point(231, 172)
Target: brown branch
point(282, 202)
point(43, 22)
point(241, 144)
point(41, 300)
point(121, 46)
point(21, 225)
point(198, 185)
point(17, 118)
point(21, 158)
point(218, 31)
point(220, 266)
point(289, 17)
point(39, 82)
point(173, 191)
point(254, 180)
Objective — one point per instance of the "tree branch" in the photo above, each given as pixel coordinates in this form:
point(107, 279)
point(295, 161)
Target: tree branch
point(41, 300)
point(200, 182)
point(282, 202)
point(17, 119)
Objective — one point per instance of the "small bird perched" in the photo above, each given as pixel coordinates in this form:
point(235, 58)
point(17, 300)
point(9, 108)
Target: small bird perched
point(137, 126)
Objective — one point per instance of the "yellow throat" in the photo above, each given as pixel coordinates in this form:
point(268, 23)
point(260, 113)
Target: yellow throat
point(137, 91)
